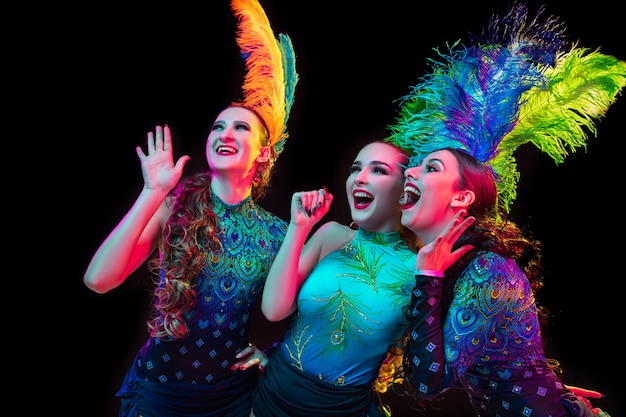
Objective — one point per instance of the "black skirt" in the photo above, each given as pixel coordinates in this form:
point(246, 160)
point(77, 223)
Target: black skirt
point(284, 391)
point(228, 398)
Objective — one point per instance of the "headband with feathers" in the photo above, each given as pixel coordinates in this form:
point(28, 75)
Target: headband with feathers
point(271, 76)
point(518, 82)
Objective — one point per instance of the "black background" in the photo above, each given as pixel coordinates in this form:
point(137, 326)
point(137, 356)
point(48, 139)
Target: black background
point(91, 80)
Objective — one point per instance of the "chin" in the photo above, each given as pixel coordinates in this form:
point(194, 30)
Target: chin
point(406, 219)
point(359, 216)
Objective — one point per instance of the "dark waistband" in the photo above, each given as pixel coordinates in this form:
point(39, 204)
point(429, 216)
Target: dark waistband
point(283, 387)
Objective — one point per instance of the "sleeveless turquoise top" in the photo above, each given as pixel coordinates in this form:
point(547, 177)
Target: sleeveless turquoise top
point(351, 308)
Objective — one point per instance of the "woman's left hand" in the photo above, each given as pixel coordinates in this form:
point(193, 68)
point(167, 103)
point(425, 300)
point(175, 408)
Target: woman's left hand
point(250, 357)
point(438, 254)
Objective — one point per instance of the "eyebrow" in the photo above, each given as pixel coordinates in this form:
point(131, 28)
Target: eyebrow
point(372, 163)
point(431, 160)
point(232, 121)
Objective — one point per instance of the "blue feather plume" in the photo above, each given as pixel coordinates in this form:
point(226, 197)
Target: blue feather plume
point(475, 95)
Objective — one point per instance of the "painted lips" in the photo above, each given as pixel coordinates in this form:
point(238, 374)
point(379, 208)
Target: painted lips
point(411, 196)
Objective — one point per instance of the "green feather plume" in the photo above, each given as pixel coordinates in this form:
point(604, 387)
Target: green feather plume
point(558, 117)
point(516, 83)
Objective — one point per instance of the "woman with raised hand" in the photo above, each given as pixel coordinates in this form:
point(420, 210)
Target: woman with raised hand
point(474, 321)
point(345, 288)
point(215, 244)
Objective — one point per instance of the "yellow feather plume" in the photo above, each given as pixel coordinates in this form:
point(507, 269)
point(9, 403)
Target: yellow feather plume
point(270, 64)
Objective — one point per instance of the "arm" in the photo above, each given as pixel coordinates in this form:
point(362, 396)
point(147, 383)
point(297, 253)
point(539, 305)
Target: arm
point(426, 347)
point(474, 319)
point(136, 236)
point(295, 260)
point(438, 355)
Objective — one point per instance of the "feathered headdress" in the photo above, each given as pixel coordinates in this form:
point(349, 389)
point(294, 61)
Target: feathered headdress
point(518, 82)
point(271, 76)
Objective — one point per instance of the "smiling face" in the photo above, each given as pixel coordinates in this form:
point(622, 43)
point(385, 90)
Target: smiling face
point(374, 187)
point(236, 143)
point(432, 195)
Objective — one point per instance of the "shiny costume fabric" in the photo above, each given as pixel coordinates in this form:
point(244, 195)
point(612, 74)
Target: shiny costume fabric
point(350, 309)
point(192, 376)
point(491, 343)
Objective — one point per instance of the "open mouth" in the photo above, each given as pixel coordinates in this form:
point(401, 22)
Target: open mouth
point(226, 150)
point(411, 196)
point(362, 199)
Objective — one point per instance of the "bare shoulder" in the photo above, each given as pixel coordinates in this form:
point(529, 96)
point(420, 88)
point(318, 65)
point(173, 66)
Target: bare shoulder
point(335, 230)
point(333, 235)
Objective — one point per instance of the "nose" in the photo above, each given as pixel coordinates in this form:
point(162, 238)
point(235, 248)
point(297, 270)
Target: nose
point(227, 134)
point(411, 173)
point(361, 177)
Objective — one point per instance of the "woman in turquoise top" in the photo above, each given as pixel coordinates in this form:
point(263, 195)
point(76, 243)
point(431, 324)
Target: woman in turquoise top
point(346, 288)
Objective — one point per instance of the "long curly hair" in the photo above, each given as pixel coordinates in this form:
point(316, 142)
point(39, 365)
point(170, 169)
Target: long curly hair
point(490, 232)
point(189, 241)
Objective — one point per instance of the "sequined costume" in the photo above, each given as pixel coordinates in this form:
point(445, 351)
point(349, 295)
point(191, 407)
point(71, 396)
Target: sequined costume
point(350, 309)
point(491, 343)
point(198, 366)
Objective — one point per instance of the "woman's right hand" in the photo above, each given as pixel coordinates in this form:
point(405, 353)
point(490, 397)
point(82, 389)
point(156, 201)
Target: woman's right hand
point(308, 207)
point(159, 171)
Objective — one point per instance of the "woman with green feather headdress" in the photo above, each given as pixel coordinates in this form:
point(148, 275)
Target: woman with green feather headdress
point(215, 243)
point(475, 321)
